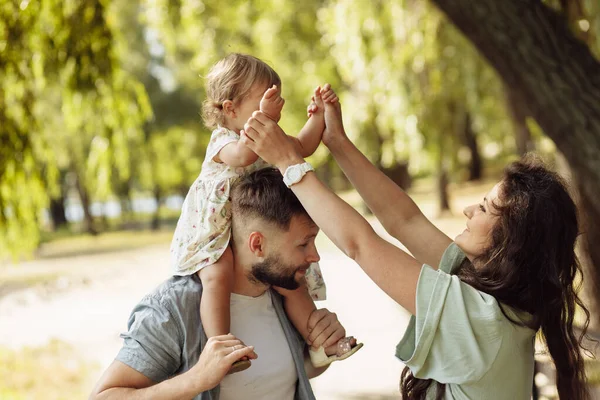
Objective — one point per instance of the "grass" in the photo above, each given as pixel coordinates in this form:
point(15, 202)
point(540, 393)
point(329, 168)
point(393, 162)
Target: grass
point(52, 372)
point(47, 266)
point(114, 241)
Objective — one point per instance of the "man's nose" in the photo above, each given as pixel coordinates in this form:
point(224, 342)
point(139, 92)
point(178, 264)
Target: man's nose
point(313, 256)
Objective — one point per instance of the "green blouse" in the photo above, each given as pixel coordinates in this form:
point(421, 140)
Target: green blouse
point(461, 338)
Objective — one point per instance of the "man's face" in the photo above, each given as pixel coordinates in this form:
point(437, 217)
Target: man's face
point(289, 254)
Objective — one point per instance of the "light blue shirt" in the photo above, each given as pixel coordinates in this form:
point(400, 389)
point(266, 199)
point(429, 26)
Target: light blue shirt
point(165, 335)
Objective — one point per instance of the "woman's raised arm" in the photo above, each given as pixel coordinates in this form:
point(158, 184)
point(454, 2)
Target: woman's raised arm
point(389, 267)
point(393, 207)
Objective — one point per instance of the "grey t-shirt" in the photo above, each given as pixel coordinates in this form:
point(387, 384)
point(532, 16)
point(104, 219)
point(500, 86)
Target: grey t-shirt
point(165, 335)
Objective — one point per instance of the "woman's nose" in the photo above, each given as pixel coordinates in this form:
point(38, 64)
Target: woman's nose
point(468, 211)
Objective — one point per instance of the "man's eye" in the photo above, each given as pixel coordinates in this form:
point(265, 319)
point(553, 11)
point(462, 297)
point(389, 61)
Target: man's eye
point(304, 245)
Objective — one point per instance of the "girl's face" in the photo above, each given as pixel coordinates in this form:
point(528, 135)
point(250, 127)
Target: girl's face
point(241, 110)
point(481, 218)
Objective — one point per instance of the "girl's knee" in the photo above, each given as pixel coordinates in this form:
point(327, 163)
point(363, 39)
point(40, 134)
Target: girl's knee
point(219, 274)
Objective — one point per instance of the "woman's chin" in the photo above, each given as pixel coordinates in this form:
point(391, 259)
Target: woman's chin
point(460, 237)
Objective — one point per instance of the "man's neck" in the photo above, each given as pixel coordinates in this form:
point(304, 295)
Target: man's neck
point(242, 283)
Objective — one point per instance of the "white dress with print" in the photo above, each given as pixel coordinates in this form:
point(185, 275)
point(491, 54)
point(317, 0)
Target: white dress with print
point(204, 227)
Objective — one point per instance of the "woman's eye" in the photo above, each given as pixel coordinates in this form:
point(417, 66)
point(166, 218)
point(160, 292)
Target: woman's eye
point(481, 207)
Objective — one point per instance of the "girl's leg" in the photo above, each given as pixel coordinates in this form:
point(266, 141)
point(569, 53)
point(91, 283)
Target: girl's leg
point(298, 306)
point(217, 283)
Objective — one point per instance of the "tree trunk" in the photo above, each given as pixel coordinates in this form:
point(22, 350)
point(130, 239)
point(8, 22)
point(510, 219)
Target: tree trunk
point(475, 165)
point(57, 209)
point(155, 225)
point(58, 213)
point(442, 181)
point(88, 220)
point(126, 201)
point(518, 112)
point(557, 76)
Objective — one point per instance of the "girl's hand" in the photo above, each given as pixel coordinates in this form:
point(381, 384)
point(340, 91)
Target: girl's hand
point(264, 137)
point(272, 103)
point(316, 105)
point(312, 107)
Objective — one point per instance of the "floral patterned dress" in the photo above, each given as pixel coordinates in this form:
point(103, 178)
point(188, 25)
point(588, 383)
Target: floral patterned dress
point(204, 227)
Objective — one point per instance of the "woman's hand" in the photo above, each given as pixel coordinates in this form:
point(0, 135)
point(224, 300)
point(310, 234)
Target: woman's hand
point(334, 127)
point(217, 357)
point(264, 137)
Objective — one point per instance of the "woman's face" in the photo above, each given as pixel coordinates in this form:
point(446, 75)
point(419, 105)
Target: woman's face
point(481, 218)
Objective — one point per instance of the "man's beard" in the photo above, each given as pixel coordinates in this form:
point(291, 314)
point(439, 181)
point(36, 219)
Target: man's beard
point(274, 272)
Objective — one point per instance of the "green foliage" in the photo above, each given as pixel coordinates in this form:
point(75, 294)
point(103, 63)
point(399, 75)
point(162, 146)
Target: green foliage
point(283, 33)
point(65, 103)
point(411, 78)
point(104, 95)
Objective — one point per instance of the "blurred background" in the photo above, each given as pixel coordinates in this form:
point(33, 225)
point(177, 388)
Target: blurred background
point(101, 137)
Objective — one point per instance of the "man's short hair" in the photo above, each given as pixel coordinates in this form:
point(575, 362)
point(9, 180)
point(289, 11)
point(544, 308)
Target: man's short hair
point(262, 194)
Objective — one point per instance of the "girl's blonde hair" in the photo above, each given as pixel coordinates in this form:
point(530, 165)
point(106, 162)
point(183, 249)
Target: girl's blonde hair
point(232, 79)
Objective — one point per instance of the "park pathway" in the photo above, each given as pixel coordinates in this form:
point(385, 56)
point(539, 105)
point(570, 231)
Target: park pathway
point(88, 305)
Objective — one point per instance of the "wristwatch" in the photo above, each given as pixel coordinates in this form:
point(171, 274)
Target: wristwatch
point(294, 173)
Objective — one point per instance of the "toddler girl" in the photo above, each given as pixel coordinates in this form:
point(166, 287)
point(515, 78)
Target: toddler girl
point(237, 86)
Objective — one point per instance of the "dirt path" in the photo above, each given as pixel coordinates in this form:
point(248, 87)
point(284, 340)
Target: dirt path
point(86, 307)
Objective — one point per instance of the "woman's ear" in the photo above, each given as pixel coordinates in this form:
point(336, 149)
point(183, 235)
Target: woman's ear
point(229, 108)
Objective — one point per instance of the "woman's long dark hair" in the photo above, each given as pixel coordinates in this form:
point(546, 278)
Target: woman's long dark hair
point(531, 266)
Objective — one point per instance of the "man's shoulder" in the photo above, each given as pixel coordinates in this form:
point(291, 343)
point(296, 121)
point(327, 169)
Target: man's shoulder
point(177, 291)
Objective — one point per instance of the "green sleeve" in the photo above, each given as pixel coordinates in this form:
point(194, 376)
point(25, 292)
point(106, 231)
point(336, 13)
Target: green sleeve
point(456, 333)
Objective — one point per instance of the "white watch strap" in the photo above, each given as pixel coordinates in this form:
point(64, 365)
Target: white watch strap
point(297, 169)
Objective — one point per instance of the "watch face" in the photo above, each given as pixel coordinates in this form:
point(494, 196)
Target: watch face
point(294, 174)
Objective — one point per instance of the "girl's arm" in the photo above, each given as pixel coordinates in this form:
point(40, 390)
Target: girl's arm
point(389, 267)
point(393, 207)
point(308, 139)
point(236, 154)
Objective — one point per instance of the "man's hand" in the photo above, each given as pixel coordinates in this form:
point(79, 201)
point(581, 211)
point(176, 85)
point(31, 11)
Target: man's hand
point(217, 357)
point(272, 103)
point(325, 329)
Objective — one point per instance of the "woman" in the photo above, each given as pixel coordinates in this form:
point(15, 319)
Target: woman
point(477, 302)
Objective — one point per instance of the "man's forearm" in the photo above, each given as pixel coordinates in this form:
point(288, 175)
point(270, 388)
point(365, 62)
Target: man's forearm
point(184, 386)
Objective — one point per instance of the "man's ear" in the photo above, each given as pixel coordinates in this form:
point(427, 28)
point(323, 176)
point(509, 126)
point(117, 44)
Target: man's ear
point(256, 244)
point(229, 109)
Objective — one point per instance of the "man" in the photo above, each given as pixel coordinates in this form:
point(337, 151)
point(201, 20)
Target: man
point(166, 354)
